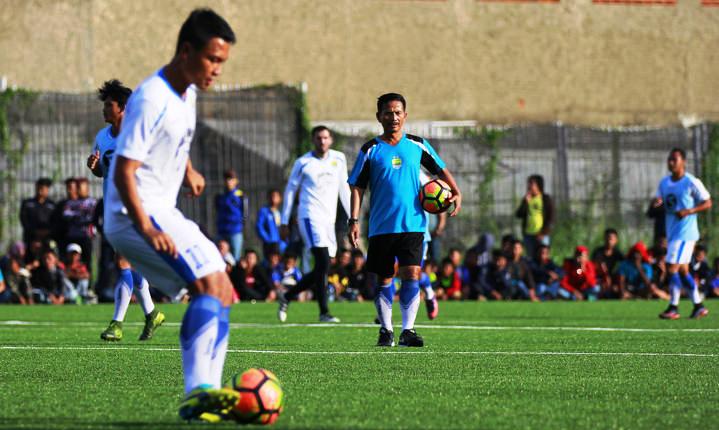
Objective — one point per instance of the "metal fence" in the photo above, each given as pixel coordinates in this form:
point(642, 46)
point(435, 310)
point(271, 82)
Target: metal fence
point(598, 177)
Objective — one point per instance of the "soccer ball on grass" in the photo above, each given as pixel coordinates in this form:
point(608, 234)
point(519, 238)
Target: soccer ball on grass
point(261, 397)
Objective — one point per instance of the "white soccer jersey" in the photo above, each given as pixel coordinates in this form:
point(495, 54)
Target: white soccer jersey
point(105, 144)
point(320, 182)
point(157, 130)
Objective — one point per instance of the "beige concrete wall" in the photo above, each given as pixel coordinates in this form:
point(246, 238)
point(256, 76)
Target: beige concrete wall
point(575, 61)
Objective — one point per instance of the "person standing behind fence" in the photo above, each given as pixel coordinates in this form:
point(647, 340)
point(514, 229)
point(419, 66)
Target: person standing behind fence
point(36, 213)
point(268, 225)
point(231, 211)
point(537, 214)
point(62, 212)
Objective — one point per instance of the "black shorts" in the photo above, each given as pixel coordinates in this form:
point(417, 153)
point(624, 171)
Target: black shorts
point(384, 248)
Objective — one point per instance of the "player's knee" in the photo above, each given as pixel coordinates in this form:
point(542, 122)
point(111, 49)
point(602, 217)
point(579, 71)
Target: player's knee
point(410, 272)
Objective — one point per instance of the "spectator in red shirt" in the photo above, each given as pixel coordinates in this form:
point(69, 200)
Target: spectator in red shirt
point(449, 282)
point(580, 279)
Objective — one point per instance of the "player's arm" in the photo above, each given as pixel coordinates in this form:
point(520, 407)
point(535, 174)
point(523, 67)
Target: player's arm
point(93, 162)
point(701, 195)
point(456, 198)
point(356, 194)
point(441, 224)
point(193, 180)
point(344, 187)
point(703, 206)
point(288, 199)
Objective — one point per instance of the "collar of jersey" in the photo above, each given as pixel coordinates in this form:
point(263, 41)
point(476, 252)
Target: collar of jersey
point(380, 140)
point(161, 74)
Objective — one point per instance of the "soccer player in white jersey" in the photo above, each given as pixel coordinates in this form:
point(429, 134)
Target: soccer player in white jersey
point(683, 196)
point(320, 176)
point(114, 97)
point(142, 222)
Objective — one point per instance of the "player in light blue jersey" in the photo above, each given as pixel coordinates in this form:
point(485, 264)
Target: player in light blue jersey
point(389, 165)
point(151, 164)
point(114, 96)
point(683, 196)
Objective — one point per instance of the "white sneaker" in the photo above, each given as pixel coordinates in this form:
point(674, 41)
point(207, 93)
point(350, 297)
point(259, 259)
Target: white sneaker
point(327, 318)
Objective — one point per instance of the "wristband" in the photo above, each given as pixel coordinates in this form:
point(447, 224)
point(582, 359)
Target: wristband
point(352, 221)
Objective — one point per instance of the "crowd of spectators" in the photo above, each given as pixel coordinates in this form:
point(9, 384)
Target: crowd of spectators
point(52, 263)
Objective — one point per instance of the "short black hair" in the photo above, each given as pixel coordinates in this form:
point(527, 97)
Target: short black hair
point(250, 251)
point(289, 254)
point(390, 97)
point(69, 181)
point(318, 129)
point(115, 91)
point(43, 182)
point(700, 248)
point(537, 179)
point(508, 238)
point(201, 26)
point(357, 253)
point(497, 253)
point(679, 150)
point(610, 230)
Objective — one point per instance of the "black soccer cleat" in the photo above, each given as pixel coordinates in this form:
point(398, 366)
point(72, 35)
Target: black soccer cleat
point(386, 338)
point(410, 338)
point(699, 312)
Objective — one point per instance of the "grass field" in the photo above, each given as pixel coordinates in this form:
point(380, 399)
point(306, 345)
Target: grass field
point(486, 365)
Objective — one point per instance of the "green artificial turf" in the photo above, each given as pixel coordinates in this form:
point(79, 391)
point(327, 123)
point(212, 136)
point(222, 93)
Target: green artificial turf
point(485, 365)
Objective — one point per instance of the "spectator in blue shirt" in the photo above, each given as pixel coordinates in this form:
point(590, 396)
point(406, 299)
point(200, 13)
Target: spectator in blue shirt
point(635, 274)
point(268, 223)
point(231, 210)
point(546, 273)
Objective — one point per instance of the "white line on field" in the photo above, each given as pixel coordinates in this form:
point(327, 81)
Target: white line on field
point(378, 352)
point(361, 325)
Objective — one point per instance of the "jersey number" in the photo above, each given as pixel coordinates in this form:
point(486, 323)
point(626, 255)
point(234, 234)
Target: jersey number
point(198, 257)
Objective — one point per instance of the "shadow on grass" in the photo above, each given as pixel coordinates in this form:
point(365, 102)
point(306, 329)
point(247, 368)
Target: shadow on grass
point(70, 423)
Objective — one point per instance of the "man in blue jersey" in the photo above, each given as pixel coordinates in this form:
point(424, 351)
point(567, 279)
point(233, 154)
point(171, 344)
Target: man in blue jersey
point(683, 196)
point(151, 164)
point(389, 165)
point(114, 96)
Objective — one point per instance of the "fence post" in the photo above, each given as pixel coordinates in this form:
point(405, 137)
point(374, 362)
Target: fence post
point(615, 191)
point(562, 165)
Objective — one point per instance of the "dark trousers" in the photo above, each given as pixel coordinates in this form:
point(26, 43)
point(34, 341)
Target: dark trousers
point(315, 280)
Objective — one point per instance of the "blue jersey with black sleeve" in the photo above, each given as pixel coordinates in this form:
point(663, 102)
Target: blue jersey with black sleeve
point(392, 173)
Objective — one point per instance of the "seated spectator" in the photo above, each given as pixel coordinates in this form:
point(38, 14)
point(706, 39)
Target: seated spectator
point(635, 274)
point(358, 278)
point(455, 256)
point(496, 282)
point(699, 268)
point(338, 276)
point(449, 283)
point(472, 275)
point(286, 274)
point(77, 275)
point(251, 280)
point(606, 259)
point(520, 274)
point(660, 279)
point(712, 289)
point(483, 248)
point(506, 245)
point(49, 281)
point(579, 281)
point(17, 281)
point(546, 274)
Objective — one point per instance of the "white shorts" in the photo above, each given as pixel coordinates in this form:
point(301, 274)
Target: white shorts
point(318, 235)
point(680, 251)
point(197, 255)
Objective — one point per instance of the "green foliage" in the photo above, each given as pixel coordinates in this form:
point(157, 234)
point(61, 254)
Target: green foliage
point(710, 178)
point(14, 145)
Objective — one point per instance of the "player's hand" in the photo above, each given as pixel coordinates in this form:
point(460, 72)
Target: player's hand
point(284, 231)
point(93, 160)
point(353, 234)
point(657, 202)
point(195, 182)
point(160, 241)
point(682, 213)
point(457, 200)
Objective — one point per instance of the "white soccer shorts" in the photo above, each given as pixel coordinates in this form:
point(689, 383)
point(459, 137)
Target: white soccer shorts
point(318, 235)
point(197, 255)
point(680, 251)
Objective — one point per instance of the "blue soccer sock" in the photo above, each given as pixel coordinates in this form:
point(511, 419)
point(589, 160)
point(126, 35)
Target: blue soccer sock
point(220, 350)
point(675, 289)
point(198, 335)
point(142, 289)
point(693, 289)
point(383, 303)
point(426, 286)
point(123, 294)
point(409, 302)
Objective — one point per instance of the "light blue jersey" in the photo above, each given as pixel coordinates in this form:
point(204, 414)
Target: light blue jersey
point(392, 174)
point(106, 144)
point(685, 193)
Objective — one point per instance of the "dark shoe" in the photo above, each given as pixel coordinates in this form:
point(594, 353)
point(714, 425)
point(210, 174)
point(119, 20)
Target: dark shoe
point(410, 338)
point(671, 313)
point(699, 312)
point(432, 308)
point(153, 320)
point(386, 337)
point(327, 318)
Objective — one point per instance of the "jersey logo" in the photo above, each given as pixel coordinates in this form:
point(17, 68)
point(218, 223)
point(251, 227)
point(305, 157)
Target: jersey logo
point(334, 163)
point(396, 162)
point(671, 201)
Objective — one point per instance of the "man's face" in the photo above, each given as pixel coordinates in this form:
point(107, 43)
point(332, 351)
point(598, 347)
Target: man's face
point(345, 258)
point(275, 199)
point(111, 111)
point(49, 260)
point(251, 259)
point(322, 140)
point(230, 183)
point(543, 254)
point(675, 162)
point(71, 190)
point(392, 116)
point(42, 191)
point(611, 240)
point(517, 250)
point(202, 67)
point(83, 189)
point(532, 187)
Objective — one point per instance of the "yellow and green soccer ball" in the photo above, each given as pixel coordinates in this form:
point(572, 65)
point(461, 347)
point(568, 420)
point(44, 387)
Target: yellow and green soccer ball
point(434, 196)
point(261, 397)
